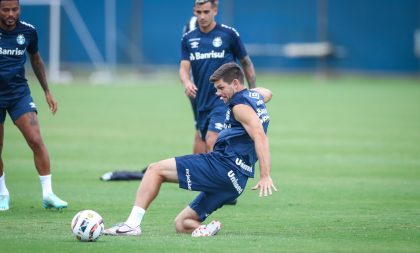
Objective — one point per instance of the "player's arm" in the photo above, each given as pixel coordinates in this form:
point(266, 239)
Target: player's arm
point(39, 70)
point(250, 121)
point(266, 93)
point(249, 71)
point(185, 76)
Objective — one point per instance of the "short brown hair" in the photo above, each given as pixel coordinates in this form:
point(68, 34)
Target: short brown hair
point(227, 72)
point(213, 2)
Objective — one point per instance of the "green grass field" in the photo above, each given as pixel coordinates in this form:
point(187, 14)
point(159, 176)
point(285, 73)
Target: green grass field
point(345, 157)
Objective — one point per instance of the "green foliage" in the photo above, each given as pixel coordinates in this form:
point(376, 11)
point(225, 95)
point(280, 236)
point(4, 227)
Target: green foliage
point(345, 157)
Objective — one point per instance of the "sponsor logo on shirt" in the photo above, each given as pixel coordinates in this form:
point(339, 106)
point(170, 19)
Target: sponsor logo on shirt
point(265, 118)
point(263, 115)
point(234, 181)
point(242, 165)
point(16, 51)
point(203, 56)
point(255, 95)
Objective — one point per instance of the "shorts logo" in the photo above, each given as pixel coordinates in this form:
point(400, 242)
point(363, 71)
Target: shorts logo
point(243, 166)
point(32, 105)
point(188, 176)
point(20, 39)
point(234, 181)
point(217, 42)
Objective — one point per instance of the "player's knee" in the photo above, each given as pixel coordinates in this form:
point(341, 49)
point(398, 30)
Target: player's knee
point(35, 142)
point(179, 225)
point(154, 168)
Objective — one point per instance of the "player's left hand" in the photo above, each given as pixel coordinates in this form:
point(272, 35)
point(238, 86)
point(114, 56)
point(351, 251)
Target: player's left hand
point(265, 184)
point(51, 102)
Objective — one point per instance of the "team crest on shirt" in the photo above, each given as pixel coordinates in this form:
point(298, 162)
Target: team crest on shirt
point(20, 39)
point(217, 42)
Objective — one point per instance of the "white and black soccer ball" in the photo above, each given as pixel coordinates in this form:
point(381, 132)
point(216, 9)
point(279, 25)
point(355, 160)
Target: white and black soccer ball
point(87, 226)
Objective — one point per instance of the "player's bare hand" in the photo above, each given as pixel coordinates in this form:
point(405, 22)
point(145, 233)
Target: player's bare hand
point(191, 90)
point(51, 102)
point(266, 186)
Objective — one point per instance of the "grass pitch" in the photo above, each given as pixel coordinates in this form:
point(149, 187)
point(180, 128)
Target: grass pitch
point(345, 157)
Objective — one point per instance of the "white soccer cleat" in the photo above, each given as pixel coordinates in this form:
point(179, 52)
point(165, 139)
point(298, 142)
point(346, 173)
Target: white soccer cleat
point(122, 229)
point(52, 201)
point(210, 229)
point(4, 202)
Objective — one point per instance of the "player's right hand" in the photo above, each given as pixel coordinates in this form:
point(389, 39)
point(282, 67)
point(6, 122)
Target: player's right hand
point(51, 102)
point(191, 90)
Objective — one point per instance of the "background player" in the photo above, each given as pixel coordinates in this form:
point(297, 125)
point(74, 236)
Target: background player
point(203, 51)
point(18, 37)
point(220, 176)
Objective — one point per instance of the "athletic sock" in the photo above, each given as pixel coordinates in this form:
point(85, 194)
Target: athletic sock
point(3, 188)
point(46, 185)
point(135, 217)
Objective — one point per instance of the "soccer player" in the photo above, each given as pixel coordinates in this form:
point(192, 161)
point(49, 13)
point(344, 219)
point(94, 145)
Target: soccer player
point(203, 50)
point(221, 175)
point(17, 38)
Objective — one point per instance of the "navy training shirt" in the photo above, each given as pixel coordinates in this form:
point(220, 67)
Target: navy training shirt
point(207, 52)
point(13, 46)
point(233, 141)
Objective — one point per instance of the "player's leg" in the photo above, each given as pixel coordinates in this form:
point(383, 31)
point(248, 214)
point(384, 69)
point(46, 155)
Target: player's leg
point(191, 218)
point(187, 221)
point(24, 115)
point(4, 193)
point(156, 174)
point(199, 146)
point(29, 127)
point(211, 138)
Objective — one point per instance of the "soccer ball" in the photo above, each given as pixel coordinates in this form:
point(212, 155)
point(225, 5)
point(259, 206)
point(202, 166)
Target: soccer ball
point(87, 226)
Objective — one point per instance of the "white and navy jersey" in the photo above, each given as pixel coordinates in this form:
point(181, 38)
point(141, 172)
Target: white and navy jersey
point(207, 52)
point(13, 46)
point(233, 141)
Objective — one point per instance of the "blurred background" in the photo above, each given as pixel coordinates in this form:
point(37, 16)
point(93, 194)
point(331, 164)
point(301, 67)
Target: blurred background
point(105, 38)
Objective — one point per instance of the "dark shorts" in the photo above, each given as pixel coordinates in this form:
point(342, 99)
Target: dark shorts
point(17, 108)
point(211, 121)
point(218, 183)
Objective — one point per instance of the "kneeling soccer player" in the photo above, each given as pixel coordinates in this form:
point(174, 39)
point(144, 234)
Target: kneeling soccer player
point(220, 176)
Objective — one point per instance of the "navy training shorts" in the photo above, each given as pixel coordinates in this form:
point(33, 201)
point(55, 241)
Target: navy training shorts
point(218, 182)
point(17, 108)
point(211, 121)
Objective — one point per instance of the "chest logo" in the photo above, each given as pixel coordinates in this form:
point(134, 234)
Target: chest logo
point(20, 39)
point(217, 42)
